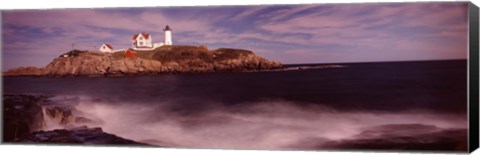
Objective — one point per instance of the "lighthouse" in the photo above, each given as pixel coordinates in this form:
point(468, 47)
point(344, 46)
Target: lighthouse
point(168, 35)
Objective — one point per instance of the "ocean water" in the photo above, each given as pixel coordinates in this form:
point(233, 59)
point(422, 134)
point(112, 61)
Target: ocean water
point(389, 105)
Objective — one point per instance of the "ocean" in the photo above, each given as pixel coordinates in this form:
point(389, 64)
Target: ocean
point(416, 105)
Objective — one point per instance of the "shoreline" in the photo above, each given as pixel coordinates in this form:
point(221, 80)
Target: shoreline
point(28, 119)
point(284, 68)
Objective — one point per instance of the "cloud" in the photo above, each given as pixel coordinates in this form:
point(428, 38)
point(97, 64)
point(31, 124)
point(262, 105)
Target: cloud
point(248, 12)
point(344, 26)
point(416, 28)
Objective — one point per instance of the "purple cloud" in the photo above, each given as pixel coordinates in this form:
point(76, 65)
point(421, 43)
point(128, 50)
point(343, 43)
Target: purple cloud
point(322, 33)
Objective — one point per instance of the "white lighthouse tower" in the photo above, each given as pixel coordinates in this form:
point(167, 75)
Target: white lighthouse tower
point(168, 35)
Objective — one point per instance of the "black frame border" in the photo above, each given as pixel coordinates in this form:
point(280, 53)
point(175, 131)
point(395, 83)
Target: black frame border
point(473, 97)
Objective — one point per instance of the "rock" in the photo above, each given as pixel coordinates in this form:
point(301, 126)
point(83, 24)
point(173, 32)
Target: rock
point(61, 115)
point(79, 135)
point(82, 120)
point(23, 118)
point(72, 53)
point(25, 71)
point(22, 115)
point(404, 137)
point(165, 59)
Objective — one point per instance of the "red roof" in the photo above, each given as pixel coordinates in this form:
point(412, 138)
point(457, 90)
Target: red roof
point(145, 35)
point(109, 46)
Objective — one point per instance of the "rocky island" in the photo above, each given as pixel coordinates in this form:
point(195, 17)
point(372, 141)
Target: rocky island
point(164, 59)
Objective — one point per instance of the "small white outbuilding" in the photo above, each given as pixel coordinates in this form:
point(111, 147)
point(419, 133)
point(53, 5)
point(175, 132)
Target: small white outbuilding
point(106, 48)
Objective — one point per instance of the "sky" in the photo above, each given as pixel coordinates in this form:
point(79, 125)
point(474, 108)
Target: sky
point(291, 34)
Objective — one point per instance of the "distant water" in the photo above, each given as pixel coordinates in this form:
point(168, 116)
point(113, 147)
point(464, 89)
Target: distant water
point(320, 108)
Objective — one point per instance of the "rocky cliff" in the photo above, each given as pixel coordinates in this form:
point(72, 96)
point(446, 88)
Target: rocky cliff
point(24, 122)
point(79, 135)
point(25, 71)
point(22, 115)
point(166, 59)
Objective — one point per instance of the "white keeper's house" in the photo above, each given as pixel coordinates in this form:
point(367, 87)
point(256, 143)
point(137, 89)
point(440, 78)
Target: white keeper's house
point(143, 41)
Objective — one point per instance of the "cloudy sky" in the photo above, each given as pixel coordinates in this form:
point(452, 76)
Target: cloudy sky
point(323, 33)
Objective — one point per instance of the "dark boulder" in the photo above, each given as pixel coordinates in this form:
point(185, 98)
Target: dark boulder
point(24, 118)
point(80, 135)
point(22, 115)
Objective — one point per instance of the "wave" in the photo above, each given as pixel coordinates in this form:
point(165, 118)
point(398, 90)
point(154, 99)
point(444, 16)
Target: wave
point(269, 124)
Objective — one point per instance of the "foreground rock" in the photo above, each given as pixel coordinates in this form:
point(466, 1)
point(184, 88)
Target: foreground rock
point(408, 137)
point(444, 140)
point(22, 115)
point(80, 135)
point(166, 59)
point(24, 119)
point(60, 115)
